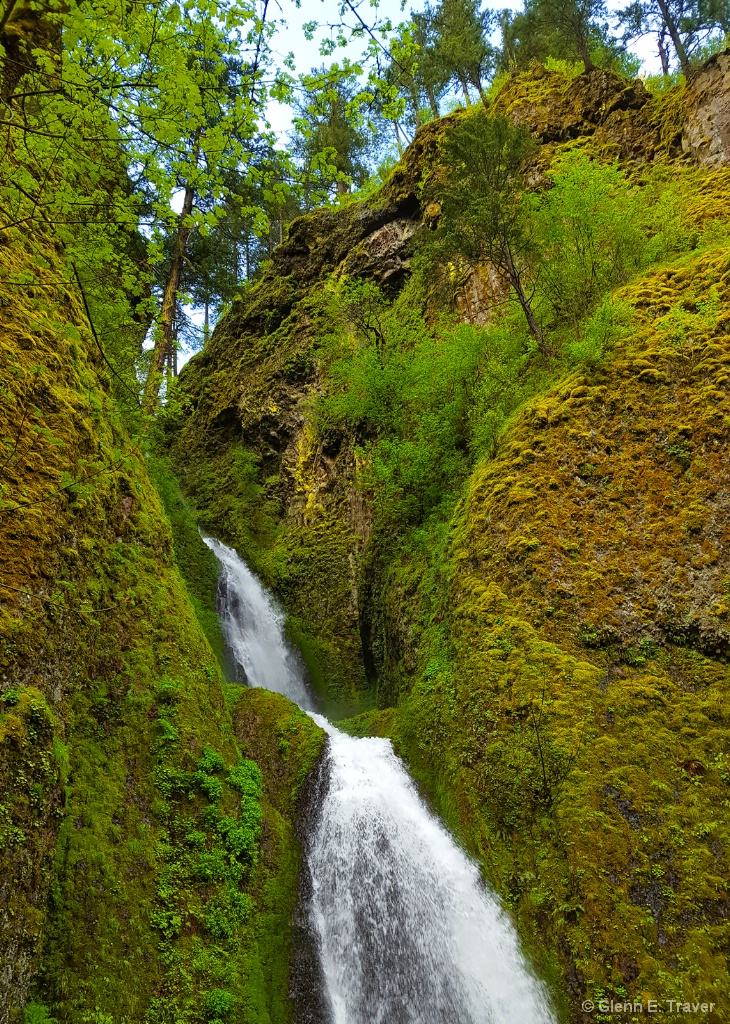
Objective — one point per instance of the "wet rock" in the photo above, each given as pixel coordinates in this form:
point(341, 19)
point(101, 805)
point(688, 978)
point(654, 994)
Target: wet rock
point(706, 135)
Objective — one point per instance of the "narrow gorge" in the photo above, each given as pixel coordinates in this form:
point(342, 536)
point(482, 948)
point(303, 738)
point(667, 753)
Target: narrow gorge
point(381, 675)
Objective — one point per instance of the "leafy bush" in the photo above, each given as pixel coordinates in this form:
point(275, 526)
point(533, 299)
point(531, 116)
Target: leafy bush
point(37, 1013)
point(247, 779)
point(219, 1003)
point(591, 237)
point(610, 322)
point(226, 912)
point(424, 401)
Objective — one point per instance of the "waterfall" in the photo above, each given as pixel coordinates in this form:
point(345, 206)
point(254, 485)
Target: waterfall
point(254, 630)
point(407, 932)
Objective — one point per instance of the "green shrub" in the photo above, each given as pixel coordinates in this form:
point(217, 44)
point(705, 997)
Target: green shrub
point(591, 237)
point(37, 1013)
point(211, 761)
point(219, 1003)
point(610, 322)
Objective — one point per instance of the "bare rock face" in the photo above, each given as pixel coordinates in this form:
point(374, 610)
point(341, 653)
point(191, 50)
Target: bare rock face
point(706, 135)
point(483, 291)
point(384, 253)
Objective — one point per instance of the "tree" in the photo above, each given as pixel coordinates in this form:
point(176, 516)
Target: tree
point(462, 50)
point(430, 74)
point(688, 23)
point(330, 140)
point(416, 66)
point(112, 116)
point(591, 235)
point(209, 138)
point(557, 28)
point(485, 218)
point(399, 92)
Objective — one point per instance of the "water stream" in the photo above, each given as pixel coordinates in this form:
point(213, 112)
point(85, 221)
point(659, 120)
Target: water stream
point(407, 932)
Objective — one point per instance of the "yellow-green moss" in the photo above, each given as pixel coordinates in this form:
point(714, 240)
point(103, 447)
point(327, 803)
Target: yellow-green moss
point(118, 758)
point(586, 629)
point(286, 744)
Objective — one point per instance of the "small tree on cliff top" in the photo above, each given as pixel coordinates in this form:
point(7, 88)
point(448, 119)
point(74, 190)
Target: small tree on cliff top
point(485, 219)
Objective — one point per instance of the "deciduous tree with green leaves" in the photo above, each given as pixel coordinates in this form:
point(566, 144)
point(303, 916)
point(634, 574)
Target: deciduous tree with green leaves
point(591, 233)
point(128, 118)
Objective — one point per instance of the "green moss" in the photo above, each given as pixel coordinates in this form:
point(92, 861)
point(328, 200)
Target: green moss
point(132, 829)
point(370, 723)
point(582, 778)
point(286, 744)
point(195, 561)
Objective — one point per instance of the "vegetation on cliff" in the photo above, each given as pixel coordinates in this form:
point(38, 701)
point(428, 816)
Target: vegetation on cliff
point(526, 549)
point(498, 527)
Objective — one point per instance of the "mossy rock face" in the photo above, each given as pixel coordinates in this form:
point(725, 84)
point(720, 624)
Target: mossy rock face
point(571, 711)
point(134, 884)
point(287, 745)
point(626, 465)
point(558, 110)
point(33, 769)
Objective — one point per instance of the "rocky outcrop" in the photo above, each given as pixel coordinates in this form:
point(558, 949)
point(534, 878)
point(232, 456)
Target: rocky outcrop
point(255, 382)
point(110, 698)
point(706, 132)
point(601, 104)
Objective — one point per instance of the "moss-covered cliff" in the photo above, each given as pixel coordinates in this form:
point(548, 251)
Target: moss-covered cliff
point(548, 648)
point(145, 863)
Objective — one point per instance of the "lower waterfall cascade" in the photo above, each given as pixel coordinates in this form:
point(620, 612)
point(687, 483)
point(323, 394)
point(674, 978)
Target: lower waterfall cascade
point(407, 931)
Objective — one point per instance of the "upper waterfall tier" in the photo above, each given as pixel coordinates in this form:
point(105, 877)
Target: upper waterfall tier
point(254, 630)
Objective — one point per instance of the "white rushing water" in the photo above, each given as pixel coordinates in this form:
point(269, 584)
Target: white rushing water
point(254, 630)
point(407, 931)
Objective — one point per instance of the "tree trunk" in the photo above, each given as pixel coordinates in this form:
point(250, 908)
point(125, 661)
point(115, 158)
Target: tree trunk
point(515, 279)
point(341, 188)
point(584, 52)
point(432, 102)
point(674, 35)
point(416, 109)
point(281, 226)
point(397, 139)
point(164, 339)
point(206, 322)
point(465, 89)
point(663, 54)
